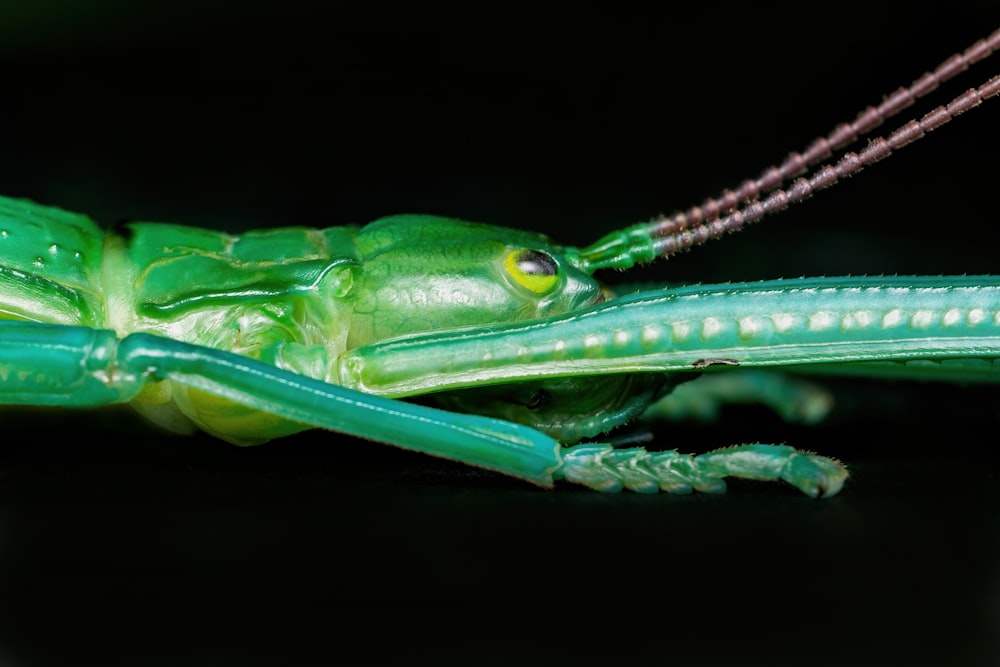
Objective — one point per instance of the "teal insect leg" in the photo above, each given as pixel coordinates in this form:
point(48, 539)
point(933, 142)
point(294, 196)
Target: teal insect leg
point(68, 366)
point(81, 367)
point(604, 468)
point(42, 364)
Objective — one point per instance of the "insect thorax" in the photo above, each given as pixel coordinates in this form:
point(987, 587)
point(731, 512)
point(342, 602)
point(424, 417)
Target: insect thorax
point(283, 296)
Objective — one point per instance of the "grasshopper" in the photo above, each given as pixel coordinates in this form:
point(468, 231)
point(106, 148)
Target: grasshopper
point(518, 351)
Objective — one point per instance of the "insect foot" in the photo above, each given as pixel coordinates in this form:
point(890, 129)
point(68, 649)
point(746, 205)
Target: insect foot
point(604, 468)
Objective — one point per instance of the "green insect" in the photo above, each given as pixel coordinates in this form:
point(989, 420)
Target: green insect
point(517, 352)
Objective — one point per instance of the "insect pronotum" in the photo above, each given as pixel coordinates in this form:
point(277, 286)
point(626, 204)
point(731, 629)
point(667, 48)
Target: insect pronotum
point(522, 353)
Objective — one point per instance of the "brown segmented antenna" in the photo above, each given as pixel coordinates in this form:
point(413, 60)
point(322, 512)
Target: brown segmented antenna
point(840, 137)
point(850, 164)
point(669, 235)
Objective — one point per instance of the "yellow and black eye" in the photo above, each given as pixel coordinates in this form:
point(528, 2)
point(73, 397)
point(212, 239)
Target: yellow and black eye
point(533, 269)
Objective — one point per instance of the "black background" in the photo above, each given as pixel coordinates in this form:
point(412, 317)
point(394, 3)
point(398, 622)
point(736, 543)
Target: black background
point(119, 545)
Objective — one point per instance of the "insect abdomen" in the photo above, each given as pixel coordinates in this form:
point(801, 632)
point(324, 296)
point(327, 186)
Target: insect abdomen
point(50, 265)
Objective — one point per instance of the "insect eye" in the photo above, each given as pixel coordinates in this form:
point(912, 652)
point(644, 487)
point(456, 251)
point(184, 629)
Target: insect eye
point(533, 270)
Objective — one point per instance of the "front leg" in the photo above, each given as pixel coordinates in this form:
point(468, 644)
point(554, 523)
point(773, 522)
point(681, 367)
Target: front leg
point(604, 468)
point(42, 364)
